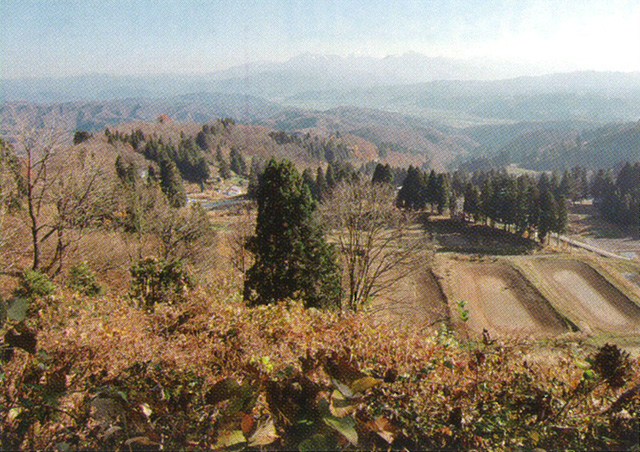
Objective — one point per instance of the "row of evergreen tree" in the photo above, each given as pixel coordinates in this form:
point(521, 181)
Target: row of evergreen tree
point(525, 203)
point(235, 164)
point(332, 149)
point(521, 204)
point(618, 198)
point(320, 182)
point(187, 156)
point(167, 177)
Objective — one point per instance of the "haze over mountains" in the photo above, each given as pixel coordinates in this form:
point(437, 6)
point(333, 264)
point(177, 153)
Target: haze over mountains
point(442, 107)
point(304, 73)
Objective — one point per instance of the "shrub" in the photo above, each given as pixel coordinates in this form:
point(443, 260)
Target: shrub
point(81, 136)
point(83, 280)
point(157, 281)
point(34, 284)
point(612, 364)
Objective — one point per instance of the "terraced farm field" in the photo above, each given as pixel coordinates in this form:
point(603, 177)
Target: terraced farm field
point(586, 297)
point(416, 302)
point(502, 301)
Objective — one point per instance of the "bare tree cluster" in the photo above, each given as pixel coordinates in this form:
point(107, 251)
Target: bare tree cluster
point(241, 230)
point(379, 244)
point(11, 190)
point(56, 192)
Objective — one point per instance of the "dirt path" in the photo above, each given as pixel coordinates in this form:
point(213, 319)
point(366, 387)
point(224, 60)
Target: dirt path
point(586, 297)
point(502, 301)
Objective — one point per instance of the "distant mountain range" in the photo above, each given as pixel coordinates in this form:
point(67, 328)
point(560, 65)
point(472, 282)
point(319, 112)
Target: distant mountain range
point(410, 107)
point(458, 92)
point(306, 72)
point(593, 96)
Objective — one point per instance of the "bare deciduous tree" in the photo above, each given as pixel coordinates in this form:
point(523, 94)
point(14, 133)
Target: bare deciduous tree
point(63, 189)
point(241, 258)
point(380, 245)
point(39, 149)
point(11, 191)
point(79, 199)
point(182, 231)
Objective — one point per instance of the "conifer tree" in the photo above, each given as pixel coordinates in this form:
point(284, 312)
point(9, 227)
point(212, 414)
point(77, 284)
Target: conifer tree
point(257, 167)
point(171, 184)
point(533, 208)
point(237, 163)
point(548, 214)
point(292, 258)
point(329, 178)
point(382, 174)
point(412, 194)
point(309, 181)
point(431, 190)
point(562, 216)
point(126, 173)
point(484, 201)
point(223, 169)
point(321, 185)
point(443, 192)
point(471, 201)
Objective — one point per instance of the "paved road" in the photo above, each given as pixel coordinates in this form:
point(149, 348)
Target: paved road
point(593, 249)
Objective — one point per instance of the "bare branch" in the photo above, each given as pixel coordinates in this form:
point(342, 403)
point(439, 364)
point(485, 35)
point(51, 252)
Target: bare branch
point(376, 242)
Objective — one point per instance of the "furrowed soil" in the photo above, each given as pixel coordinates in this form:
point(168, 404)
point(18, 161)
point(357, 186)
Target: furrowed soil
point(415, 302)
point(502, 301)
point(634, 278)
point(586, 297)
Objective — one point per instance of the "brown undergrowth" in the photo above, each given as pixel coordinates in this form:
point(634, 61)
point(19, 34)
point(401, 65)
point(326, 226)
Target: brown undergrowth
point(211, 373)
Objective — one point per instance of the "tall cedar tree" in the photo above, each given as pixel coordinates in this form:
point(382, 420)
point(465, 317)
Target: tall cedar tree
point(471, 201)
point(237, 163)
point(548, 214)
point(413, 191)
point(292, 258)
point(443, 192)
point(171, 183)
point(382, 174)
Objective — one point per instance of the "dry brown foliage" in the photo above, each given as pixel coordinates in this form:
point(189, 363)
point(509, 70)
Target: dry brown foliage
point(211, 373)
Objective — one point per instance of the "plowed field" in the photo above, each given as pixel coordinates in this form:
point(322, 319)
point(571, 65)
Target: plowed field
point(416, 301)
point(502, 301)
point(587, 298)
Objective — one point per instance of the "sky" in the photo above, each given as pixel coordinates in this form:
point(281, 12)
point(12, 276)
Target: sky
point(58, 38)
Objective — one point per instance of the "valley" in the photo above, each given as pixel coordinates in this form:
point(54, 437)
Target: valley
point(305, 226)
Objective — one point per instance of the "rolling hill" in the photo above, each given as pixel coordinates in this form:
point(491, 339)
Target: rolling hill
point(94, 116)
point(549, 148)
point(590, 96)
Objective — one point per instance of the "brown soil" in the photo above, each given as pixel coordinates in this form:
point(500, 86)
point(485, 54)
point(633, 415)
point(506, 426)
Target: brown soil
point(586, 297)
point(415, 302)
point(502, 301)
point(634, 278)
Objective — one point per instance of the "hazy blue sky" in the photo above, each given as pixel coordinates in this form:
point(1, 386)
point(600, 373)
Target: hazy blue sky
point(57, 37)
